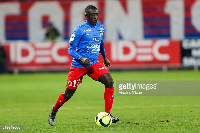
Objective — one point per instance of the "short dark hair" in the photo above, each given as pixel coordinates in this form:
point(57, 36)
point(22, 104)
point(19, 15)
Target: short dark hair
point(90, 7)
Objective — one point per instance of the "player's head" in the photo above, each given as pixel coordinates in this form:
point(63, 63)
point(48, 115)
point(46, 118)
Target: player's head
point(91, 13)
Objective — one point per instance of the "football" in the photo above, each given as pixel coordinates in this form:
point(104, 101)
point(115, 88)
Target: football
point(103, 119)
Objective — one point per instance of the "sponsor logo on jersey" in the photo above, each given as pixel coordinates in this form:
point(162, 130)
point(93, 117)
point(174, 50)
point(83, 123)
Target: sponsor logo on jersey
point(93, 48)
point(95, 38)
point(87, 30)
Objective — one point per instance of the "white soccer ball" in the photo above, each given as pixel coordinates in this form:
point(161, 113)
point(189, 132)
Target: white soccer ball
point(103, 119)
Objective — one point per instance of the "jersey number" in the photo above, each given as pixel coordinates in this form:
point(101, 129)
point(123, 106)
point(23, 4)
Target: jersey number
point(74, 83)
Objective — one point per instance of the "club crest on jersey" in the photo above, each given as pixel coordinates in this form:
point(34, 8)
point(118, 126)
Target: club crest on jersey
point(101, 33)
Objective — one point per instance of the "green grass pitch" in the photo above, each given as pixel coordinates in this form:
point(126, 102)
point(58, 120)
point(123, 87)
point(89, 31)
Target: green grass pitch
point(26, 99)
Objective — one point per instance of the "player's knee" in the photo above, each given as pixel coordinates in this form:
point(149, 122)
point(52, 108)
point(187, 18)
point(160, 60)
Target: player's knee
point(109, 83)
point(67, 95)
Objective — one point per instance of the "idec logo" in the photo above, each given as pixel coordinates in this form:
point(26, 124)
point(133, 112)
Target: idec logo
point(37, 53)
point(145, 52)
point(140, 50)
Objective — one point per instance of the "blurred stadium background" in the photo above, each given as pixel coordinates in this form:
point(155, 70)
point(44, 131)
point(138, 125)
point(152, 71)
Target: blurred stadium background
point(140, 34)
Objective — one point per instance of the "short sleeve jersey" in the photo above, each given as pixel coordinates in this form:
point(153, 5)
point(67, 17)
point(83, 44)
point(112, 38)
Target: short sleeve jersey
point(86, 40)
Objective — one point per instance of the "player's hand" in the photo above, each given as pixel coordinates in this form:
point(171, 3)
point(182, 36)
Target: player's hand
point(106, 62)
point(86, 61)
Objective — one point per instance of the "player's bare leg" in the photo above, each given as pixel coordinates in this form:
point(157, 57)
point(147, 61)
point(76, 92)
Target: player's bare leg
point(107, 80)
point(69, 93)
point(64, 97)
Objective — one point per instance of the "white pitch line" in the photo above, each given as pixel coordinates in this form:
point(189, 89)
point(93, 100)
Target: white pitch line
point(122, 107)
point(158, 106)
point(130, 107)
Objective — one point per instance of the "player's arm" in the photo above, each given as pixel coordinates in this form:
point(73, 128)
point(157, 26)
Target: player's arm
point(73, 53)
point(74, 41)
point(103, 53)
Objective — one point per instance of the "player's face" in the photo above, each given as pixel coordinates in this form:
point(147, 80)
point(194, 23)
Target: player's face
point(92, 16)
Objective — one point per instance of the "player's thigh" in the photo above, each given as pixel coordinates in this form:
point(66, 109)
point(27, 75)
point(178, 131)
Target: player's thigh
point(97, 70)
point(75, 76)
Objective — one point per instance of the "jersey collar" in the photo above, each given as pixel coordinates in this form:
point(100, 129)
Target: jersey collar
point(89, 24)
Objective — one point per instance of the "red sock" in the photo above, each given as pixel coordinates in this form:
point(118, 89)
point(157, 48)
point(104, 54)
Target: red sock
point(61, 100)
point(108, 97)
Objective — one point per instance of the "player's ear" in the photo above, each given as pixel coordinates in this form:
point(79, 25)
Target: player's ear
point(86, 15)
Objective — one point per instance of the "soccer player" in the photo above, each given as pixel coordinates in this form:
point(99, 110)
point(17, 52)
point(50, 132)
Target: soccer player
point(86, 43)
